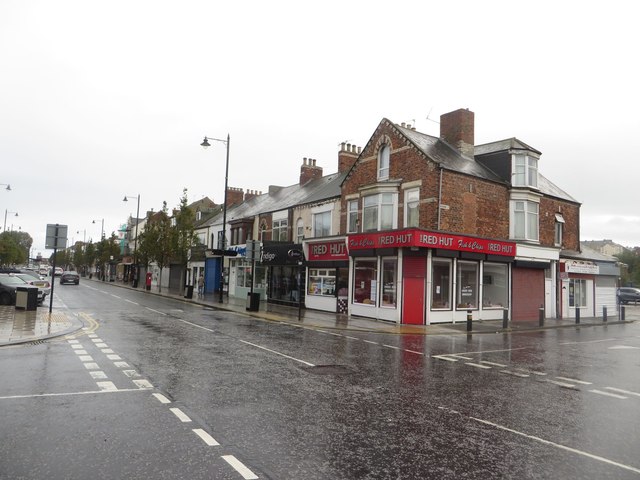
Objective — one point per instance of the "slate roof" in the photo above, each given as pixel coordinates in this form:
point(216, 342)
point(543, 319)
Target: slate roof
point(503, 145)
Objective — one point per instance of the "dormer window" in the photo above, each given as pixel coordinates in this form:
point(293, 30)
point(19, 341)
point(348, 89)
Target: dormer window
point(383, 162)
point(525, 171)
point(198, 216)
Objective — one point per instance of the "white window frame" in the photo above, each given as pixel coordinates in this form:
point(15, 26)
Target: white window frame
point(352, 216)
point(378, 203)
point(411, 196)
point(279, 226)
point(558, 231)
point(325, 230)
point(384, 160)
point(299, 230)
point(525, 170)
point(525, 219)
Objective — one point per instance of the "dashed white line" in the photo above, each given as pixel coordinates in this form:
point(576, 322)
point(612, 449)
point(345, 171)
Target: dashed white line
point(98, 374)
point(180, 414)
point(115, 296)
point(515, 374)
point(143, 384)
point(113, 357)
point(461, 357)
point(573, 380)
point(77, 347)
point(121, 364)
point(391, 346)
point(131, 301)
point(619, 390)
point(477, 365)
point(109, 386)
point(370, 341)
point(494, 364)
point(240, 467)
point(91, 366)
point(206, 438)
point(73, 341)
point(413, 351)
point(86, 358)
point(161, 398)
point(102, 345)
point(80, 352)
point(106, 350)
point(131, 373)
point(560, 384)
point(608, 394)
point(155, 311)
point(277, 353)
point(444, 357)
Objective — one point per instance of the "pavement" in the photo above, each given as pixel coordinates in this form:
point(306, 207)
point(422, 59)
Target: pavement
point(19, 326)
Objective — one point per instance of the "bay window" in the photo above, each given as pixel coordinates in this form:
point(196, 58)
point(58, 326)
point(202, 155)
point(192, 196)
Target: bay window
point(525, 220)
point(379, 212)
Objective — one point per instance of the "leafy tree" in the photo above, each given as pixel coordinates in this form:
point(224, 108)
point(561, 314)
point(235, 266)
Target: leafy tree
point(183, 234)
point(630, 273)
point(156, 241)
point(13, 248)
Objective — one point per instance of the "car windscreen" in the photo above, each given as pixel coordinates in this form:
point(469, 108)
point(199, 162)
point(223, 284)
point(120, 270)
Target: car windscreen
point(11, 280)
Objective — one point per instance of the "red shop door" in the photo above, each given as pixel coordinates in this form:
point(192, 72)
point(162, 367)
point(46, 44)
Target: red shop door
point(413, 278)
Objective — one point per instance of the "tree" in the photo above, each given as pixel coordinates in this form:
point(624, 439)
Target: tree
point(630, 274)
point(183, 234)
point(156, 240)
point(14, 247)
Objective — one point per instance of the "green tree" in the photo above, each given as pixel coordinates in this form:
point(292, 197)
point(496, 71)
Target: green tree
point(183, 234)
point(156, 241)
point(630, 272)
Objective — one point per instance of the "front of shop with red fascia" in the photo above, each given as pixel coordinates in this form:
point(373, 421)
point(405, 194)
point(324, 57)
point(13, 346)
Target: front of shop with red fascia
point(415, 276)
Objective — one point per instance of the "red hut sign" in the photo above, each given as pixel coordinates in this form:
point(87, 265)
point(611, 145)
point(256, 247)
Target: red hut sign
point(326, 251)
point(424, 238)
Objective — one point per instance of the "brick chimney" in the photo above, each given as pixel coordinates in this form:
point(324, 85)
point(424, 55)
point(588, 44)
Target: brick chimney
point(251, 193)
point(457, 129)
point(347, 156)
point(309, 170)
point(234, 196)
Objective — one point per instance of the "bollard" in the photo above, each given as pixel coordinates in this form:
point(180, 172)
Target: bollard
point(505, 318)
point(469, 320)
point(541, 316)
point(622, 312)
point(577, 315)
point(604, 313)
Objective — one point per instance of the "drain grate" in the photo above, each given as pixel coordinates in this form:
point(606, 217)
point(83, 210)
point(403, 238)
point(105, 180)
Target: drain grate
point(329, 369)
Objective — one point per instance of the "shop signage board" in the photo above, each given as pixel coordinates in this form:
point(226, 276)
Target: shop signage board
point(427, 239)
point(327, 251)
point(578, 266)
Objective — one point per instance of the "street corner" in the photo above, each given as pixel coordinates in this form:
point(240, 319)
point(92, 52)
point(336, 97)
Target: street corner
point(23, 326)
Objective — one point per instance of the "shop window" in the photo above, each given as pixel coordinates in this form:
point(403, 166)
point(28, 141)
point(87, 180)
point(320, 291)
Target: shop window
point(322, 281)
point(411, 202)
point(441, 284)
point(365, 281)
point(284, 284)
point(577, 292)
point(495, 285)
point(467, 285)
point(352, 222)
point(243, 275)
point(389, 281)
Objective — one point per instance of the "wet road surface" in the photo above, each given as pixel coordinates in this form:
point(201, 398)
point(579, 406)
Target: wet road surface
point(270, 400)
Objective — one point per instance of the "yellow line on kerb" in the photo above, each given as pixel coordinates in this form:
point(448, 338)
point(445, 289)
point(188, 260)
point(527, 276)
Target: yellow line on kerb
point(92, 323)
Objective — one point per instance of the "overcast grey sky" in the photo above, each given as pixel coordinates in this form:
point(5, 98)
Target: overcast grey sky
point(104, 99)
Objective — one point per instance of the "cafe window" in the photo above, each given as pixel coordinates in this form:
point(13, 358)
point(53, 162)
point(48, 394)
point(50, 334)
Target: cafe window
point(441, 284)
point(365, 280)
point(389, 282)
point(322, 281)
point(467, 285)
point(495, 283)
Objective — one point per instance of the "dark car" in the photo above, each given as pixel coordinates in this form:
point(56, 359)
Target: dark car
point(628, 294)
point(69, 276)
point(8, 285)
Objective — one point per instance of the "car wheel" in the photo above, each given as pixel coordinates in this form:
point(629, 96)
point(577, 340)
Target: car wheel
point(5, 299)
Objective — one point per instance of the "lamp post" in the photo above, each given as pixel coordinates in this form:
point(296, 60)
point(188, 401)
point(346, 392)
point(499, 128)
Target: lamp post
point(101, 229)
point(4, 227)
point(6, 185)
point(135, 240)
point(206, 144)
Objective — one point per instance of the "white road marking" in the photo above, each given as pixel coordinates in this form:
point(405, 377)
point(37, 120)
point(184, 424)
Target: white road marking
point(161, 398)
point(278, 353)
point(121, 364)
point(541, 374)
point(155, 311)
point(130, 301)
point(444, 357)
point(131, 373)
point(142, 384)
point(372, 342)
point(77, 347)
point(102, 345)
point(560, 384)
point(607, 394)
point(477, 365)
point(590, 341)
point(80, 352)
point(73, 341)
point(115, 296)
point(96, 340)
point(347, 336)
point(67, 394)
point(240, 467)
point(86, 358)
point(91, 366)
point(391, 346)
point(492, 363)
point(619, 390)
point(206, 438)
point(413, 351)
point(106, 386)
point(461, 357)
point(515, 374)
point(92, 335)
point(180, 414)
point(573, 380)
point(98, 374)
point(553, 444)
point(106, 350)
point(114, 357)
point(623, 347)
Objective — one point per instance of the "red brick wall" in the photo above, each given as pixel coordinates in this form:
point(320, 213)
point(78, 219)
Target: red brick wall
point(570, 213)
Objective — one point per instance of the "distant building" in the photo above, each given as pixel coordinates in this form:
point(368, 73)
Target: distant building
point(605, 247)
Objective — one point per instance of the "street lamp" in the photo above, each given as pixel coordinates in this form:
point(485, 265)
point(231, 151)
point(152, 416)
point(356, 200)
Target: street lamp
point(206, 144)
point(4, 228)
point(101, 230)
point(6, 185)
point(135, 241)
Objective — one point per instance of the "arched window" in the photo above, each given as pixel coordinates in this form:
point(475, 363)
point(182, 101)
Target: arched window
point(383, 162)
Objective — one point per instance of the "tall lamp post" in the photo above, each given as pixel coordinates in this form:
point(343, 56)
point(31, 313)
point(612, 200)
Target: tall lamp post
point(4, 228)
point(135, 240)
point(101, 229)
point(6, 185)
point(206, 144)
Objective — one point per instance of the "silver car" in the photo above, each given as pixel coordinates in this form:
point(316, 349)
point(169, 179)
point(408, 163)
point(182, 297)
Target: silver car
point(44, 287)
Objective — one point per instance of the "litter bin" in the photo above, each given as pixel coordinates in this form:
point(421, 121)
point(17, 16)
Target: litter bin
point(188, 291)
point(27, 298)
point(253, 302)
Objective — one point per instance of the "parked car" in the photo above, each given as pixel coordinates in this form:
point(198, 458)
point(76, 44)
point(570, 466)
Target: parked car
point(8, 284)
point(628, 294)
point(69, 276)
point(59, 271)
point(32, 278)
